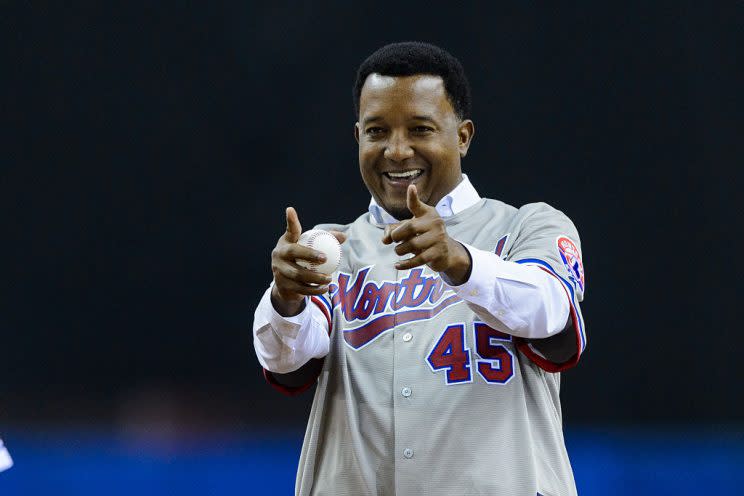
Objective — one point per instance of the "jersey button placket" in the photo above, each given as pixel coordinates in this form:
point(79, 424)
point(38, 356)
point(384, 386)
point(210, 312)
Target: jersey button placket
point(406, 417)
point(399, 357)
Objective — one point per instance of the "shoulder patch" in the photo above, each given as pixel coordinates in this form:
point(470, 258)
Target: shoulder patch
point(572, 261)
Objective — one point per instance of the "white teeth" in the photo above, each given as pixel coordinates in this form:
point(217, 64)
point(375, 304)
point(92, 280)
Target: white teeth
point(404, 175)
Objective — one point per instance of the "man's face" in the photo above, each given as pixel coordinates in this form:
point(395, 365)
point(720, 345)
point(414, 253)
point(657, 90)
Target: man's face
point(408, 133)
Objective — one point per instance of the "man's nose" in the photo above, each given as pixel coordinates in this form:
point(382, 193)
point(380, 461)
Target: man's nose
point(398, 148)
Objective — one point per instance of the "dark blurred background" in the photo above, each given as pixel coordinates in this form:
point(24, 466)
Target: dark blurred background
point(150, 149)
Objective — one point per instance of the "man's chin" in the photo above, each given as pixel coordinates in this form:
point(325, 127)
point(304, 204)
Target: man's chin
point(400, 212)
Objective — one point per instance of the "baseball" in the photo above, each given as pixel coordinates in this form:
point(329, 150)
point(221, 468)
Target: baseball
point(324, 242)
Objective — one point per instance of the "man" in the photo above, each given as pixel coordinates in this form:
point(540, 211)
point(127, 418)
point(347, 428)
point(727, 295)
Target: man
point(437, 345)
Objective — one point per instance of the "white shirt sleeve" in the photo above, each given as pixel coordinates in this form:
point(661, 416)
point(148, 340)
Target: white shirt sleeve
point(521, 300)
point(5, 460)
point(284, 344)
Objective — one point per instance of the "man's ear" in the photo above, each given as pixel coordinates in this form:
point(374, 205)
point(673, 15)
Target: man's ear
point(465, 133)
point(356, 132)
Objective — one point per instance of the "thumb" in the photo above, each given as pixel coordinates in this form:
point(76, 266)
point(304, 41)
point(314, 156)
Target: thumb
point(341, 237)
point(415, 205)
point(294, 229)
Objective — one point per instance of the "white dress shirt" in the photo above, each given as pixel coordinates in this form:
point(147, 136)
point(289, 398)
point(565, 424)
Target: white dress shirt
point(517, 299)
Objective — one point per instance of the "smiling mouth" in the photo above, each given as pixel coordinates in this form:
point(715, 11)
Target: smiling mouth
point(404, 176)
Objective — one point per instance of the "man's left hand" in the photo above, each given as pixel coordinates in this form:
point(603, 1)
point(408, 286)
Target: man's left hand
point(425, 236)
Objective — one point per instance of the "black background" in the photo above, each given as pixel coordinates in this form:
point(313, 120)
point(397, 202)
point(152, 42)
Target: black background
point(150, 151)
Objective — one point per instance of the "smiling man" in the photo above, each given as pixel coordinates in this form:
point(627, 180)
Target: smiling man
point(437, 346)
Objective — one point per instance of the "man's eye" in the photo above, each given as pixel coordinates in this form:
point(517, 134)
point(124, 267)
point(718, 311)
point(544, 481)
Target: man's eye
point(422, 129)
point(374, 130)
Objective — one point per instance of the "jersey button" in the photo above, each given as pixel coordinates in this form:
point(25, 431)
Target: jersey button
point(408, 453)
point(407, 337)
point(406, 391)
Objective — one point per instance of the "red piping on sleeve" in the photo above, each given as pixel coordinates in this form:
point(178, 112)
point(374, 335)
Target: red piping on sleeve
point(286, 390)
point(323, 309)
point(544, 363)
point(294, 391)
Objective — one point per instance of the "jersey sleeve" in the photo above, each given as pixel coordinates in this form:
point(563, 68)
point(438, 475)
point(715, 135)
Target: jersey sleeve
point(284, 345)
point(319, 305)
point(546, 238)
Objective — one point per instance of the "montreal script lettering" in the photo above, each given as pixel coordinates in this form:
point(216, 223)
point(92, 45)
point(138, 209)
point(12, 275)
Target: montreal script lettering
point(396, 303)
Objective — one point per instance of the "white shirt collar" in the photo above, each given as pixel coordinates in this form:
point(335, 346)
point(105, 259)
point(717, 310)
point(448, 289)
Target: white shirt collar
point(463, 196)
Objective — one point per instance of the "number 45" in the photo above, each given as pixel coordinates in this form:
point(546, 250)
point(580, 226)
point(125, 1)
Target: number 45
point(495, 363)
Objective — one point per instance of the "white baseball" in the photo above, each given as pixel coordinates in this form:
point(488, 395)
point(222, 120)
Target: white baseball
point(324, 242)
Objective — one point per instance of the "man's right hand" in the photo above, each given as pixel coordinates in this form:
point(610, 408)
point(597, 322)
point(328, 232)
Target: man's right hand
point(291, 281)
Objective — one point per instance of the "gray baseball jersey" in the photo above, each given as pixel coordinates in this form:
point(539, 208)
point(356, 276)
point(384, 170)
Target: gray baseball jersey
point(417, 394)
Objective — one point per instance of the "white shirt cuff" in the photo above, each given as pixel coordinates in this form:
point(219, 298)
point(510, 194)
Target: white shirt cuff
point(284, 344)
point(288, 327)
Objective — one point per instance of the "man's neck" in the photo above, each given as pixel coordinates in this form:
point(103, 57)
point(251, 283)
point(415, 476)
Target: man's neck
point(461, 197)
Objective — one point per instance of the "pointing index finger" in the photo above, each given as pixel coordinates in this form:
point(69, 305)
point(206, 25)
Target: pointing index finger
point(387, 236)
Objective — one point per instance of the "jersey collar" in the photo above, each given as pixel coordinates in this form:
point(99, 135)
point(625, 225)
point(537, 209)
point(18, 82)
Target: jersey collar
point(463, 196)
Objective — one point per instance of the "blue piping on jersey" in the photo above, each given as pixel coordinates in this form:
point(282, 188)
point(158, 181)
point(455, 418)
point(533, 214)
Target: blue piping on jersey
point(327, 304)
point(570, 291)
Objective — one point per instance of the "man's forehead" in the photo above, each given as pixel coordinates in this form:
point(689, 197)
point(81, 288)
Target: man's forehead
point(423, 88)
point(416, 82)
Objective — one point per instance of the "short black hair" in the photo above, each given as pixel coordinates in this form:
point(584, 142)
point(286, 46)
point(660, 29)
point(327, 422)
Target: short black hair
point(409, 58)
